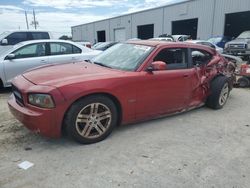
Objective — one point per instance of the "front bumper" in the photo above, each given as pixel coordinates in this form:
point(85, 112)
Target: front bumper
point(38, 120)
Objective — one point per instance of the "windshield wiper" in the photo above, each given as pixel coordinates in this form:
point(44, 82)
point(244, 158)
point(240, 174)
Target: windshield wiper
point(89, 61)
point(103, 65)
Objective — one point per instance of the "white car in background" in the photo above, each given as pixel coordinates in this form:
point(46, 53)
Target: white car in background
point(207, 43)
point(30, 54)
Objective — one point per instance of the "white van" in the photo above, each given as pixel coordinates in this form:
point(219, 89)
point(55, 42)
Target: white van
point(9, 38)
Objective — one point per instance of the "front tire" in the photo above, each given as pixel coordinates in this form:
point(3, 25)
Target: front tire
point(91, 119)
point(220, 90)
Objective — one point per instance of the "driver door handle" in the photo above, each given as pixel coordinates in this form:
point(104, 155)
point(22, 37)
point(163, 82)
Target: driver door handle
point(43, 61)
point(185, 75)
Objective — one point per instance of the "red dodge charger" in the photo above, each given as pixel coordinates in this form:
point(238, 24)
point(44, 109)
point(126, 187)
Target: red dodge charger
point(127, 83)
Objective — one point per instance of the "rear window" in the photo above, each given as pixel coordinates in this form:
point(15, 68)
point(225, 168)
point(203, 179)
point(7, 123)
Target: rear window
point(40, 35)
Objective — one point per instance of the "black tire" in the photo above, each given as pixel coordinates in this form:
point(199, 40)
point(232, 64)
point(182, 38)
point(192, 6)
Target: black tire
point(1, 84)
point(73, 128)
point(217, 86)
point(244, 82)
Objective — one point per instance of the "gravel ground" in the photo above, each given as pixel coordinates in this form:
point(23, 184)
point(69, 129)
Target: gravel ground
point(200, 148)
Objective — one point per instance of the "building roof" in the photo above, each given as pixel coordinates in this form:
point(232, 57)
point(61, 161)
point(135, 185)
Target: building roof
point(145, 10)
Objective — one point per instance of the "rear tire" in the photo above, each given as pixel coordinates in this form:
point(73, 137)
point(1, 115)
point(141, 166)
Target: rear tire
point(220, 90)
point(91, 119)
point(244, 82)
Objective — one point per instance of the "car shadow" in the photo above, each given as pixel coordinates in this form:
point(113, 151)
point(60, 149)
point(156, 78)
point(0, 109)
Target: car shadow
point(5, 90)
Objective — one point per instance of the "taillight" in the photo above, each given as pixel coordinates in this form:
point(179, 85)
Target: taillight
point(88, 45)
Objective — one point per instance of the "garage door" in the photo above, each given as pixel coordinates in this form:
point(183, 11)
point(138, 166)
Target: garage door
point(145, 31)
point(185, 27)
point(236, 23)
point(120, 35)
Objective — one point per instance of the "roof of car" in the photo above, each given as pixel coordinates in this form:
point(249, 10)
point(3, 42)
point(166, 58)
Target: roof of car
point(155, 43)
point(45, 40)
point(150, 42)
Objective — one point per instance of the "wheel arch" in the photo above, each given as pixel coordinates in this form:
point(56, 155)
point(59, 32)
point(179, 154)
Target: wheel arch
point(111, 96)
point(230, 81)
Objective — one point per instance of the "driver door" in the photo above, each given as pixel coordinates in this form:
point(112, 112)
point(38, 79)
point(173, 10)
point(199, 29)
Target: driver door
point(165, 91)
point(25, 58)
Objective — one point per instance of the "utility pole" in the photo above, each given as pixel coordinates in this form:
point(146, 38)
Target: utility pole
point(26, 20)
point(34, 22)
point(34, 16)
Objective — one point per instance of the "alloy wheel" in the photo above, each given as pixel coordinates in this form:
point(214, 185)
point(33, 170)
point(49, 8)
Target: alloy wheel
point(224, 94)
point(93, 120)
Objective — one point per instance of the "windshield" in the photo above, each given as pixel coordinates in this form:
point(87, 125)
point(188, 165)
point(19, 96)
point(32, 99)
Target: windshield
point(215, 40)
point(244, 35)
point(3, 35)
point(123, 56)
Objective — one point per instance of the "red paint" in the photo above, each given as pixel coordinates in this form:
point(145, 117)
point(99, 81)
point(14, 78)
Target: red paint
point(141, 94)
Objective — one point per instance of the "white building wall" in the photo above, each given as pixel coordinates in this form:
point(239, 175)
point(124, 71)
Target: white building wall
point(76, 33)
point(201, 9)
point(210, 14)
point(119, 23)
point(88, 33)
point(100, 26)
point(154, 16)
point(223, 7)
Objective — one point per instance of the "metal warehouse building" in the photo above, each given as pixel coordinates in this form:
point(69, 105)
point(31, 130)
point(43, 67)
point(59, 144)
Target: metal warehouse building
point(199, 18)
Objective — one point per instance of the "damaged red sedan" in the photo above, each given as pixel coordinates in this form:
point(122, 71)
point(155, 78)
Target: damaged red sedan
point(129, 82)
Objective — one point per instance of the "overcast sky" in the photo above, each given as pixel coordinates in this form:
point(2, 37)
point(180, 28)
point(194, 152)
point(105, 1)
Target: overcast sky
point(58, 16)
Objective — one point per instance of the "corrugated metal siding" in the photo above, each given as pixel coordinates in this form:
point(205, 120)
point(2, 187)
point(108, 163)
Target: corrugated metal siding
point(210, 14)
point(148, 17)
point(201, 9)
point(118, 23)
point(223, 7)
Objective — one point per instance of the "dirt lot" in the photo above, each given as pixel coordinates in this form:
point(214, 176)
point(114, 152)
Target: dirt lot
point(200, 148)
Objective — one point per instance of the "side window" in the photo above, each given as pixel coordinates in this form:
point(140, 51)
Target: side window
point(76, 50)
point(39, 35)
point(16, 37)
point(175, 58)
point(33, 50)
point(200, 57)
point(60, 48)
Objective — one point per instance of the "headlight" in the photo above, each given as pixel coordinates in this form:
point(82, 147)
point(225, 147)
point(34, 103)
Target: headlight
point(226, 45)
point(41, 100)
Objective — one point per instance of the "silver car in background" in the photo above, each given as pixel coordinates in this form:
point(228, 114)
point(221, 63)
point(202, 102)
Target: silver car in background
point(31, 54)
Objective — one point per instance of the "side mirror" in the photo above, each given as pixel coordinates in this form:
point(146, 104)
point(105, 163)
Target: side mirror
point(157, 66)
point(4, 42)
point(10, 56)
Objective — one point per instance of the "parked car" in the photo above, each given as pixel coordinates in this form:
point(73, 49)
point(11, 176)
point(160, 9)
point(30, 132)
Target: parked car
point(10, 38)
point(220, 41)
point(181, 38)
point(167, 39)
point(105, 45)
point(244, 73)
point(30, 54)
point(96, 44)
point(239, 46)
point(207, 43)
point(84, 43)
point(128, 82)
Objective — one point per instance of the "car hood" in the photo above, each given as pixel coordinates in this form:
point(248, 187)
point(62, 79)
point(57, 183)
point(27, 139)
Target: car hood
point(64, 74)
point(239, 41)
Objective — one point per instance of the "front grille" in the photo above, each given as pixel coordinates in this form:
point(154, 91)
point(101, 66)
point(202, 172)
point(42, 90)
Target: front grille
point(18, 95)
point(238, 46)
